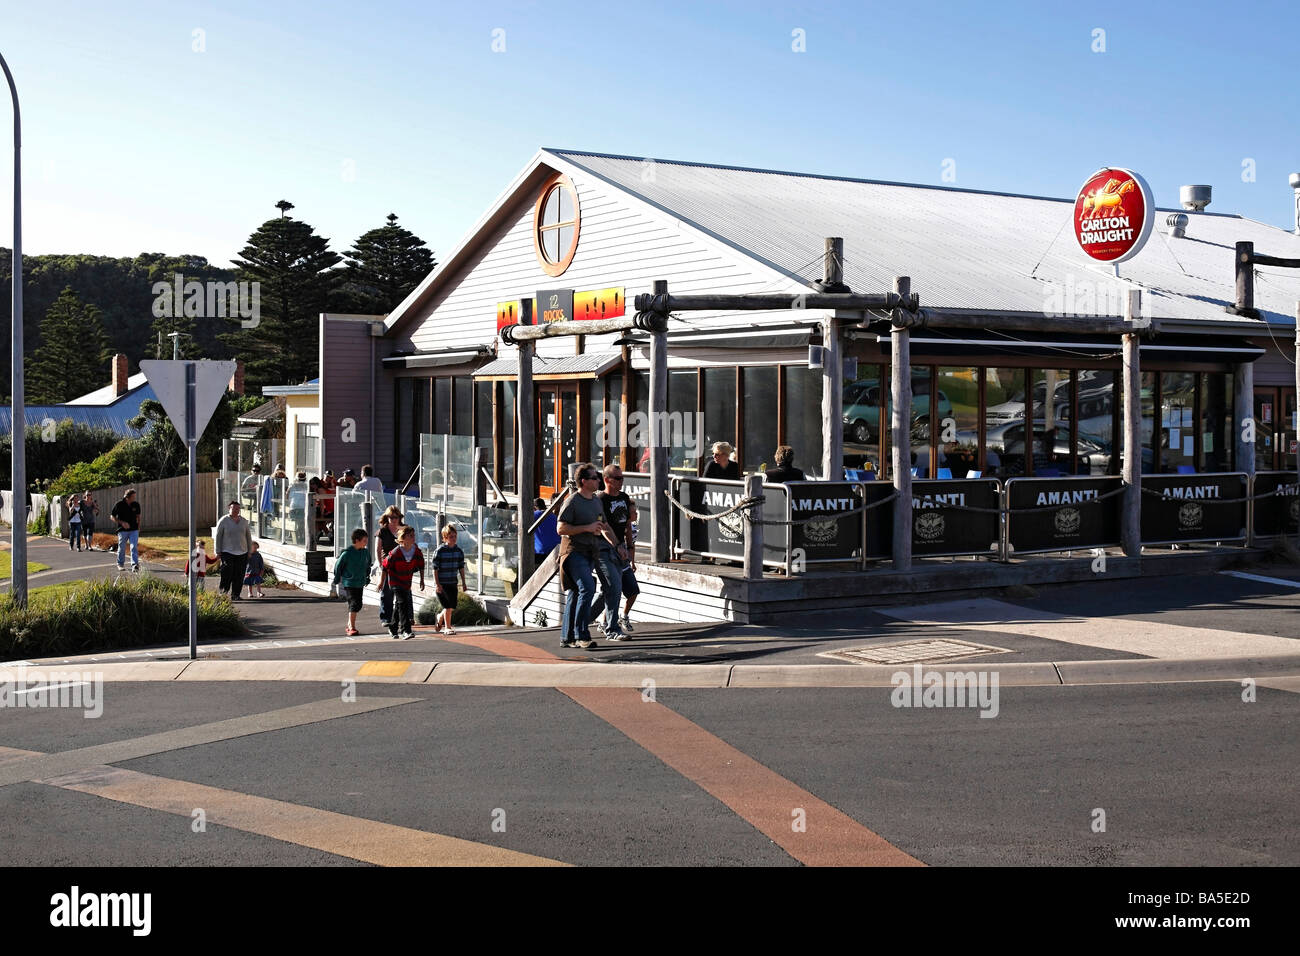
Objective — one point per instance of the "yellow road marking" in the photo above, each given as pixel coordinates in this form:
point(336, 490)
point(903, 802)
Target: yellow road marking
point(384, 668)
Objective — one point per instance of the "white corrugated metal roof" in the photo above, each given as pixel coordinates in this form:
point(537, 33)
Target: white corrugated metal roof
point(588, 363)
point(106, 395)
point(962, 248)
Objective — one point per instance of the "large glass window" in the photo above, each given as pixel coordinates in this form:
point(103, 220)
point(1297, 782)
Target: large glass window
point(861, 406)
point(719, 407)
point(683, 435)
point(463, 406)
point(803, 417)
point(760, 420)
point(922, 420)
point(1051, 438)
point(1004, 422)
point(307, 448)
point(1177, 425)
point(1216, 422)
point(1094, 444)
point(613, 385)
point(404, 449)
point(958, 422)
point(483, 424)
point(638, 428)
point(442, 406)
point(507, 419)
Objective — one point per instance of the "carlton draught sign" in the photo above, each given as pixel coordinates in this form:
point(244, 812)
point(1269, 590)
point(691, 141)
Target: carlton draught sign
point(1113, 214)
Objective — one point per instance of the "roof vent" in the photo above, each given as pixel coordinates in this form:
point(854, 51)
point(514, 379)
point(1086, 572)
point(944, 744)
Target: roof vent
point(1194, 198)
point(1295, 184)
point(1177, 223)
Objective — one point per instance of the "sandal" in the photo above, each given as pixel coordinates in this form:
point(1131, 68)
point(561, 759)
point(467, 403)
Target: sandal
point(352, 632)
point(450, 630)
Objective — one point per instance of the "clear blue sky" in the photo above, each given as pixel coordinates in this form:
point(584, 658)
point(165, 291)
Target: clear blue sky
point(133, 141)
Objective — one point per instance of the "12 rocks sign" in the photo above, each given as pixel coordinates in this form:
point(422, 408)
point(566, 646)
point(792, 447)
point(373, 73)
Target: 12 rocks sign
point(1113, 214)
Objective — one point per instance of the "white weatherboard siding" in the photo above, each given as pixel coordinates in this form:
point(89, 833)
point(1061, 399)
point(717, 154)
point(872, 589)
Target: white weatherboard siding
point(621, 244)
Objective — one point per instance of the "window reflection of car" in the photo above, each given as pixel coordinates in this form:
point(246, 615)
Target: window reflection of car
point(862, 409)
point(1008, 441)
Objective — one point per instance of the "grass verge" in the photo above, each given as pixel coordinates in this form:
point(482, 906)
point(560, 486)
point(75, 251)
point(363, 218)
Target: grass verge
point(7, 565)
point(84, 617)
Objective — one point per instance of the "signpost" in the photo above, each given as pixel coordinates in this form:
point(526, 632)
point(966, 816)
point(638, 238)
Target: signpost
point(189, 392)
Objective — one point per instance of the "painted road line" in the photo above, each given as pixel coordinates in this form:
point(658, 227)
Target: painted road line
point(755, 793)
point(357, 838)
point(1148, 638)
point(1289, 684)
point(1280, 582)
point(69, 761)
point(763, 798)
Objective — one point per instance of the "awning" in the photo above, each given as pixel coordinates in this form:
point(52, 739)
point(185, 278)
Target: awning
point(551, 368)
point(938, 344)
point(784, 336)
point(434, 359)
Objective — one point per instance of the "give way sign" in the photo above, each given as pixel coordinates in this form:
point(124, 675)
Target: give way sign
point(170, 382)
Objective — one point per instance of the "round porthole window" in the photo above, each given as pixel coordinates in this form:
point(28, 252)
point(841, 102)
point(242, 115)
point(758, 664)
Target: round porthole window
point(556, 221)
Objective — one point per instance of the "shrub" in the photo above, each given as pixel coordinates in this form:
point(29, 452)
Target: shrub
point(123, 464)
point(42, 523)
point(468, 612)
point(105, 615)
point(72, 442)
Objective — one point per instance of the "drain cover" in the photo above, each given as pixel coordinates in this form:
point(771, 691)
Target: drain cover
point(913, 652)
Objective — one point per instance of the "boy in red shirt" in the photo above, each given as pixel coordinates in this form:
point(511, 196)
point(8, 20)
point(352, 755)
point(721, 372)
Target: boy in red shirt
point(400, 565)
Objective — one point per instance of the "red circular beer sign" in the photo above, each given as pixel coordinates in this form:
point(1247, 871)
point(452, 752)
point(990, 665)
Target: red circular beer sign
point(1113, 214)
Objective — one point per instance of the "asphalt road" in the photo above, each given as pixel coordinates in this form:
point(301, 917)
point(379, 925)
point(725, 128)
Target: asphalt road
point(1187, 774)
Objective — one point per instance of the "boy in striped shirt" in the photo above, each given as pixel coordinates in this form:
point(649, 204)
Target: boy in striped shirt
point(448, 561)
point(400, 566)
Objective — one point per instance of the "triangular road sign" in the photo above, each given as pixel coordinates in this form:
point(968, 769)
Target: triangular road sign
point(168, 381)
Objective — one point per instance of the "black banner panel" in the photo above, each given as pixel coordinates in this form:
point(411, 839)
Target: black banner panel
point(725, 537)
point(941, 524)
point(825, 538)
point(1279, 513)
point(1063, 514)
point(1193, 508)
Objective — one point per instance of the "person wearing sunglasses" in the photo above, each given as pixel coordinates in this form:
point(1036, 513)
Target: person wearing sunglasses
point(620, 515)
point(581, 524)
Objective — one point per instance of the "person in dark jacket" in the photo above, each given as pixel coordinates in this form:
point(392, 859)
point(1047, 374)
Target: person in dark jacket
point(722, 466)
point(389, 522)
point(785, 469)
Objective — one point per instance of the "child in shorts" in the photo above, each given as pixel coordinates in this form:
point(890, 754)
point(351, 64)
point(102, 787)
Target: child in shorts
point(352, 569)
point(448, 560)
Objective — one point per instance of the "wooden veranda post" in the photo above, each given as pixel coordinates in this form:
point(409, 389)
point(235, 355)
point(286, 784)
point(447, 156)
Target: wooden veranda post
point(660, 545)
point(526, 429)
point(1131, 518)
point(833, 370)
point(754, 530)
point(900, 432)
